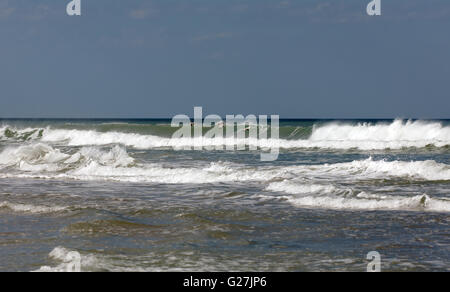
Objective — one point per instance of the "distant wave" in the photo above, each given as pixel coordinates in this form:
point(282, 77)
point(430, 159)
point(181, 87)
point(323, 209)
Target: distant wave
point(364, 136)
point(396, 135)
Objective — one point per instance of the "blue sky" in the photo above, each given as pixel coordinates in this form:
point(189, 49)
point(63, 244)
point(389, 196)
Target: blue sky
point(152, 59)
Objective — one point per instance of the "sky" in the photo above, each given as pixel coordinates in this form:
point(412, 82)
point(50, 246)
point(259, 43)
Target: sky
point(156, 59)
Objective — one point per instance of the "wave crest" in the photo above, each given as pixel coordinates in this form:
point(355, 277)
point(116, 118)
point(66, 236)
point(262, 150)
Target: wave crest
point(336, 135)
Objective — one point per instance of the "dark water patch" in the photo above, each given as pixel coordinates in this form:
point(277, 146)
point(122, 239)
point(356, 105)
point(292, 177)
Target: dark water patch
point(113, 227)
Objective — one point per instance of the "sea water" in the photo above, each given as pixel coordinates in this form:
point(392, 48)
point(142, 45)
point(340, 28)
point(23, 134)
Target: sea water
point(117, 193)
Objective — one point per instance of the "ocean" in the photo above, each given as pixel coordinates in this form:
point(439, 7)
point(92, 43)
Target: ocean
point(117, 193)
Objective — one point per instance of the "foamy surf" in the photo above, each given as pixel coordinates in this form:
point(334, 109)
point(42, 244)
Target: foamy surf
point(115, 164)
point(383, 169)
point(415, 203)
point(304, 183)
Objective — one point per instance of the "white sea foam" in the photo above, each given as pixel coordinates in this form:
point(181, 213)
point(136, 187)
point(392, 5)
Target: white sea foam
point(301, 188)
point(332, 197)
point(426, 170)
point(155, 173)
point(67, 261)
point(376, 169)
point(421, 202)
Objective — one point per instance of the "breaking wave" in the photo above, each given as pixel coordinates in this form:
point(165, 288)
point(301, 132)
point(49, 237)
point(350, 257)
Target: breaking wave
point(331, 197)
point(115, 164)
point(364, 136)
point(381, 169)
point(396, 135)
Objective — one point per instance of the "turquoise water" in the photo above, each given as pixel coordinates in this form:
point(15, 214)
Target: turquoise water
point(118, 193)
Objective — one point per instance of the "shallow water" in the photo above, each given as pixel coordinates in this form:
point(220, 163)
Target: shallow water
point(117, 193)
